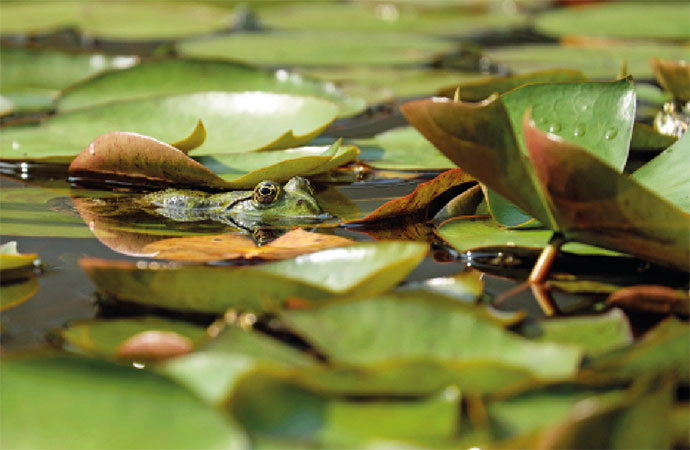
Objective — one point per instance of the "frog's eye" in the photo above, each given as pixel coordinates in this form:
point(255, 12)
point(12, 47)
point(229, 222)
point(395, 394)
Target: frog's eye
point(266, 192)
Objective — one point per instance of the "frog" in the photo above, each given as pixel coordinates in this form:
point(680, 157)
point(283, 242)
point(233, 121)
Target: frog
point(268, 204)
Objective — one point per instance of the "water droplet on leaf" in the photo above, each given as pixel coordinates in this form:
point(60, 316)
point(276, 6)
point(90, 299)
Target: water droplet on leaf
point(579, 130)
point(554, 128)
point(610, 134)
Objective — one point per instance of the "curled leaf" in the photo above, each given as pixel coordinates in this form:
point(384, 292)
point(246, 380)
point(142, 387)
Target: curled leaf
point(651, 298)
point(673, 76)
point(155, 345)
point(192, 141)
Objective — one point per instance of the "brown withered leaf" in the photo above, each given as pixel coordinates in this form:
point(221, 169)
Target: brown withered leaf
point(233, 246)
point(673, 76)
point(154, 344)
point(651, 298)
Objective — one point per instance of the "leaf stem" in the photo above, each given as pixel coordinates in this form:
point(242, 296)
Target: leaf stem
point(541, 268)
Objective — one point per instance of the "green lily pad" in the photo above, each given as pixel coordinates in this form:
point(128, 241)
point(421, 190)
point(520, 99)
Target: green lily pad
point(666, 174)
point(26, 212)
point(407, 18)
point(212, 371)
point(666, 20)
point(319, 48)
point(595, 334)
point(235, 123)
point(402, 148)
point(368, 331)
point(164, 77)
point(665, 348)
point(366, 268)
point(271, 408)
point(597, 61)
point(31, 79)
point(468, 233)
point(17, 292)
point(104, 338)
point(115, 406)
point(119, 20)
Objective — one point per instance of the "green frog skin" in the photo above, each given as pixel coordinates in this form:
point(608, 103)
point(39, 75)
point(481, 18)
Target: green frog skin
point(268, 204)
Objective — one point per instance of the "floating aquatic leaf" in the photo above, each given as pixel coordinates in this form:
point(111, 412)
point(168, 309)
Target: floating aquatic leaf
point(140, 338)
point(478, 90)
point(236, 122)
point(645, 137)
point(419, 203)
point(402, 148)
point(674, 76)
point(318, 48)
point(170, 76)
point(619, 19)
point(365, 268)
point(195, 139)
point(233, 246)
point(10, 258)
point(368, 331)
point(595, 334)
point(120, 20)
point(651, 298)
point(117, 406)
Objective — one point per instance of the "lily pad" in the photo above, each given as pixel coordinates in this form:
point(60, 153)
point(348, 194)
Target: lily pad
point(32, 79)
point(109, 338)
point(433, 328)
point(666, 20)
point(357, 269)
point(233, 246)
point(164, 77)
point(11, 259)
point(319, 48)
point(235, 123)
point(118, 407)
point(119, 20)
point(595, 334)
point(601, 61)
point(402, 148)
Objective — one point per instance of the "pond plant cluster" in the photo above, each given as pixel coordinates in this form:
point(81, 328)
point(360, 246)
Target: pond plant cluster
point(344, 224)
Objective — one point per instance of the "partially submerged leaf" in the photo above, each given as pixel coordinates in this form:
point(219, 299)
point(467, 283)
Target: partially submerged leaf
point(195, 139)
point(11, 259)
point(133, 338)
point(236, 122)
point(674, 76)
point(232, 246)
point(418, 204)
point(423, 326)
point(365, 268)
point(17, 292)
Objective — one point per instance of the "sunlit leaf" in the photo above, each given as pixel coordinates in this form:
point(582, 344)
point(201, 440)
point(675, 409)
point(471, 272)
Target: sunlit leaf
point(114, 338)
point(119, 20)
point(318, 48)
point(619, 19)
point(369, 331)
point(595, 334)
point(10, 258)
point(234, 246)
point(365, 268)
point(195, 139)
point(593, 203)
point(235, 123)
point(162, 77)
point(114, 407)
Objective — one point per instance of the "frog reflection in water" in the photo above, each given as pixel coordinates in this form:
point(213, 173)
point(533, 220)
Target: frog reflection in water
point(267, 204)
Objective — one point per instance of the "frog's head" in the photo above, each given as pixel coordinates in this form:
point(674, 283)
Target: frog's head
point(270, 201)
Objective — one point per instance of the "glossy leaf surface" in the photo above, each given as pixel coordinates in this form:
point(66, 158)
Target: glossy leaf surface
point(235, 123)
